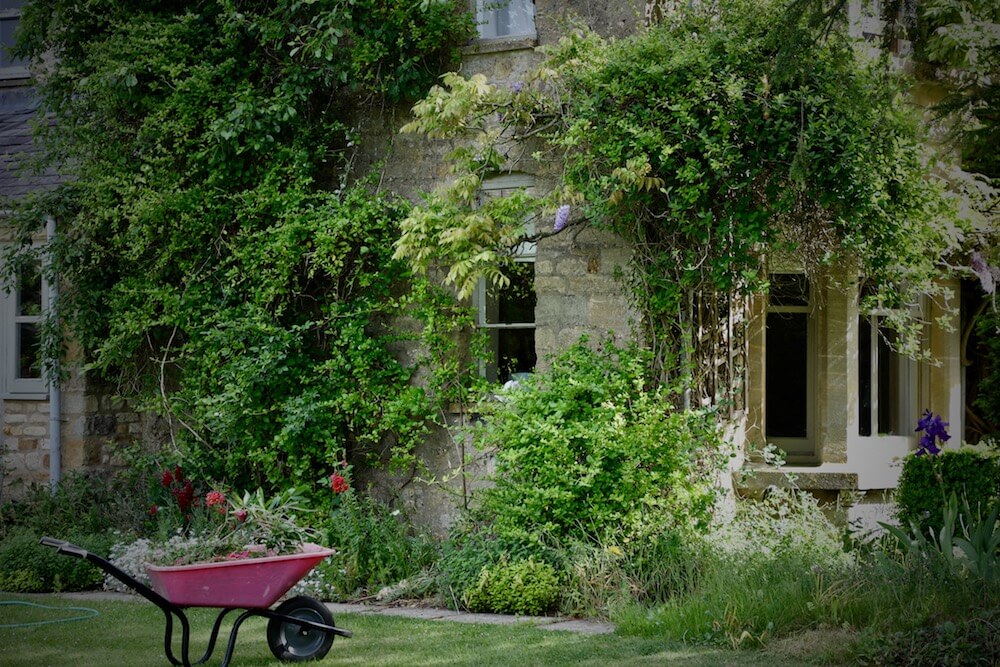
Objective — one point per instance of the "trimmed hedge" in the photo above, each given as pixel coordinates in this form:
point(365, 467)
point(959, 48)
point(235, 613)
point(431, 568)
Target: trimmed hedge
point(927, 481)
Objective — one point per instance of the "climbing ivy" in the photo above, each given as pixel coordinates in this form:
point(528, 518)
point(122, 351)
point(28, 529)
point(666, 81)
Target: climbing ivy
point(221, 259)
point(709, 146)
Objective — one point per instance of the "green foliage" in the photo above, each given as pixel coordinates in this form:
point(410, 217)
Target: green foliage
point(776, 568)
point(697, 144)
point(603, 578)
point(961, 41)
point(524, 587)
point(927, 482)
point(585, 449)
point(29, 567)
point(85, 502)
point(219, 266)
point(966, 643)
point(375, 547)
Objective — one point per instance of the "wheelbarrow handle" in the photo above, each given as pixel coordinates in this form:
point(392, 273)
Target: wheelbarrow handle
point(64, 547)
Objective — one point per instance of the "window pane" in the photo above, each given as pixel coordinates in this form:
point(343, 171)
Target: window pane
point(787, 375)
point(865, 376)
point(515, 352)
point(514, 304)
point(29, 352)
point(29, 292)
point(7, 41)
point(789, 289)
point(505, 18)
point(893, 384)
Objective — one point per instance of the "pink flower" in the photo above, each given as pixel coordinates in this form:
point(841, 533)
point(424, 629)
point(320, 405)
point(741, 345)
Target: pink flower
point(338, 483)
point(241, 515)
point(214, 498)
point(153, 510)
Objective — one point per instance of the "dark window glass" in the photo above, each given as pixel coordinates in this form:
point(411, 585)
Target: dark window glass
point(787, 374)
point(29, 292)
point(29, 349)
point(514, 304)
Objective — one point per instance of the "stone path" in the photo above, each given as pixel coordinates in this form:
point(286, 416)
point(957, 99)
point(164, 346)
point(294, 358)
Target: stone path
point(561, 623)
point(582, 626)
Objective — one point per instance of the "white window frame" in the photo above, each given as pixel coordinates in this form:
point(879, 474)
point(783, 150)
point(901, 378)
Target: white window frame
point(486, 12)
point(12, 72)
point(501, 186)
point(11, 385)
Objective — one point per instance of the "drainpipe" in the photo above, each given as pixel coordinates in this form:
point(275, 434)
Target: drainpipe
point(52, 372)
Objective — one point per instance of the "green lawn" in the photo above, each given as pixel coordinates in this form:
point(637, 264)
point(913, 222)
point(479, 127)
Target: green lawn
point(127, 633)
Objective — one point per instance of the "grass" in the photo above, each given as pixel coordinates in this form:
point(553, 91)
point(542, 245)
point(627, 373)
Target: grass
point(130, 633)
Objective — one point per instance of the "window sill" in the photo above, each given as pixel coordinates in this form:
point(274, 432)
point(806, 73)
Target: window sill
point(499, 44)
point(33, 396)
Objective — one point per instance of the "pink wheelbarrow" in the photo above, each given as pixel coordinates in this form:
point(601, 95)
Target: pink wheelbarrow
point(300, 628)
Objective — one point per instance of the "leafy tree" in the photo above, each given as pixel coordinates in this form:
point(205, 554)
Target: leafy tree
point(221, 258)
point(708, 147)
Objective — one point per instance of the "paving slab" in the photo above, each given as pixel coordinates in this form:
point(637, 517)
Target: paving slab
point(583, 627)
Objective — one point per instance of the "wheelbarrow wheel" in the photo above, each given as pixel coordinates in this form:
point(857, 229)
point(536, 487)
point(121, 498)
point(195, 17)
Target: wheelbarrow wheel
point(294, 643)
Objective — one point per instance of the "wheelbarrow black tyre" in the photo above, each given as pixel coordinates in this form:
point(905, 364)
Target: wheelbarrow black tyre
point(291, 642)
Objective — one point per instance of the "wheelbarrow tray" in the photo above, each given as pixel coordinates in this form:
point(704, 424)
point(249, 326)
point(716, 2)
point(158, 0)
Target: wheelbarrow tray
point(248, 583)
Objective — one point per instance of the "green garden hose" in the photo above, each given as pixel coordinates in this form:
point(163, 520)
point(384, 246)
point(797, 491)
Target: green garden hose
point(87, 613)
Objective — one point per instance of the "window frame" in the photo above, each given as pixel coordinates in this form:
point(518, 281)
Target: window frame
point(525, 253)
point(11, 385)
point(797, 449)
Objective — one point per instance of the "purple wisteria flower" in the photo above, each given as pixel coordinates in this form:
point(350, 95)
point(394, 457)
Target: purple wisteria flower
point(984, 272)
point(934, 429)
point(562, 217)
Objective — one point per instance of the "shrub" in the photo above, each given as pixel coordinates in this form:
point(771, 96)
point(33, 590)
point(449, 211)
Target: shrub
point(84, 502)
point(28, 566)
point(974, 641)
point(927, 481)
point(605, 577)
point(777, 567)
point(527, 587)
point(375, 547)
point(585, 449)
point(471, 549)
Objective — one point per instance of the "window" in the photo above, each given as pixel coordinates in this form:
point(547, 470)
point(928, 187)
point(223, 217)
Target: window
point(498, 19)
point(887, 381)
point(10, 17)
point(789, 366)
point(508, 315)
point(22, 333)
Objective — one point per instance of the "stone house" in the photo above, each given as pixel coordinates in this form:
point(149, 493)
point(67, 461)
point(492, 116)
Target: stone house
point(821, 382)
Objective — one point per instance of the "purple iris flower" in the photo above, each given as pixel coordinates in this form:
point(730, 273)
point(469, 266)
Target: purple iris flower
point(934, 429)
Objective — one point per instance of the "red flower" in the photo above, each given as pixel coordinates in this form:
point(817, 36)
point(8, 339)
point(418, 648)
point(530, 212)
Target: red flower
point(167, 479)
point(214, 498)
point(184, 496)
point(178, 474)
point(338, 483)
point(153, 510)
point(241, 515)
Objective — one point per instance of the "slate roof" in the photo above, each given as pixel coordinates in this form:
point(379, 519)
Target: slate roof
point(18, 107)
